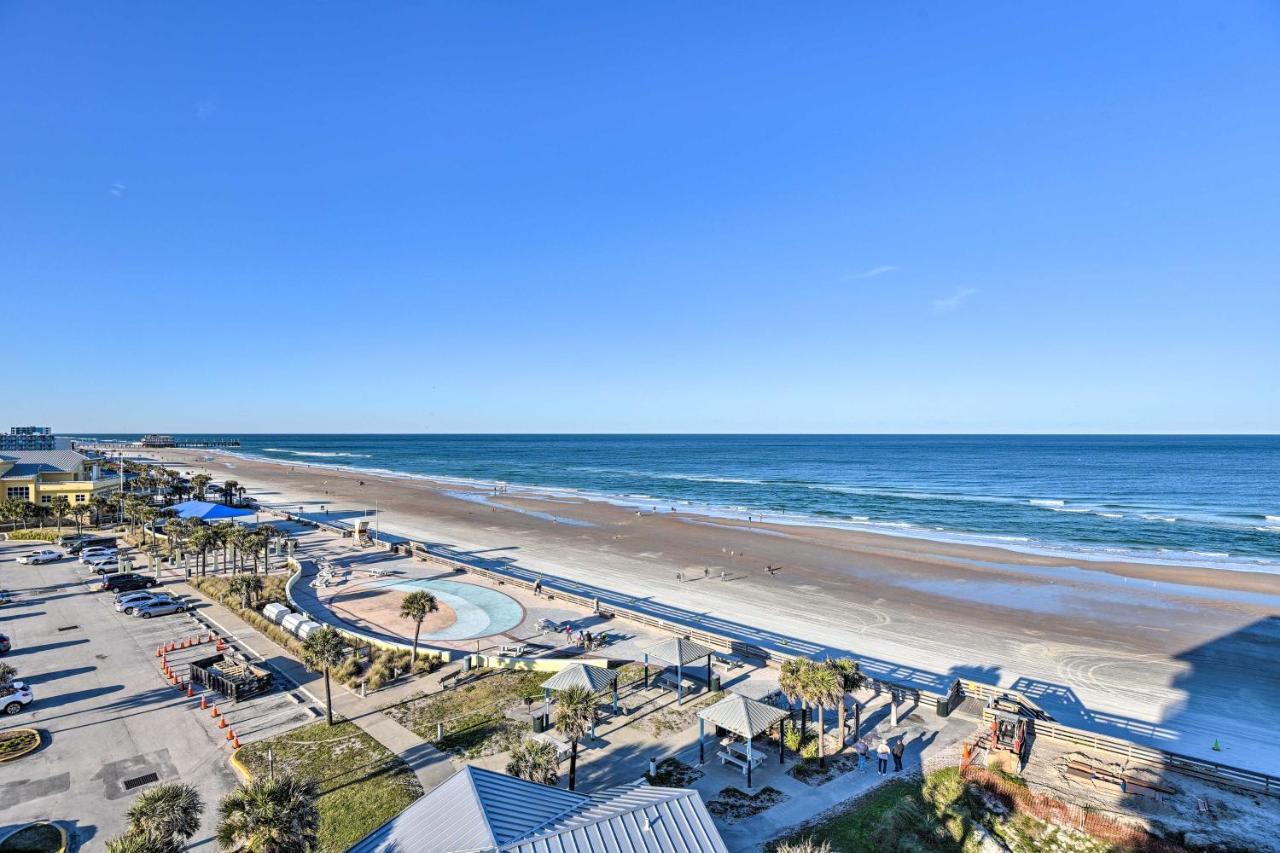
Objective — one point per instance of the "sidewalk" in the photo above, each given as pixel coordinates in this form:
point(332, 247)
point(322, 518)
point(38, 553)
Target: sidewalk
point(429, 764)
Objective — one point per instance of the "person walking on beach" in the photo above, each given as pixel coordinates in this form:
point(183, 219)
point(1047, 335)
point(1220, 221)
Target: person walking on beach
point(898, 749)
point(882, 758)
point(861, 748)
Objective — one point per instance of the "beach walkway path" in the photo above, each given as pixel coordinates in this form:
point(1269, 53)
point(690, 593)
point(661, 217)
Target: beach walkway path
point(429, 764)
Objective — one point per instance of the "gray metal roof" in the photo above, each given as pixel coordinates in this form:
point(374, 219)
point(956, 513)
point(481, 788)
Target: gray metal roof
point(479, 810)
point(592, 678)
point(634, 818)
point(474, 809)
point(743, 716)
point(28, 463)
point(678, 650)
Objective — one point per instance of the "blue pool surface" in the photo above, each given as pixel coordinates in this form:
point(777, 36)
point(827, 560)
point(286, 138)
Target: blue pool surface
point(480, 611)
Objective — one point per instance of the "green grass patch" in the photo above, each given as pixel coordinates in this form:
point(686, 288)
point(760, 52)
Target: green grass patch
point(473, 713)
point(37, 838)
point(362, 784)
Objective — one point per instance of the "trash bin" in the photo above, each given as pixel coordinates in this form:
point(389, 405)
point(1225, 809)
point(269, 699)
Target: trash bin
point(715, 681)
point(539, 723)
point(944, 706)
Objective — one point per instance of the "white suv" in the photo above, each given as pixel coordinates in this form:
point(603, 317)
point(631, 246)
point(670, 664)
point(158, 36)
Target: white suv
point(14, 695)
point(88, 555)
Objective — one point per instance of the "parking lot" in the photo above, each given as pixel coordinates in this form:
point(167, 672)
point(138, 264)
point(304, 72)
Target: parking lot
point(111, 722)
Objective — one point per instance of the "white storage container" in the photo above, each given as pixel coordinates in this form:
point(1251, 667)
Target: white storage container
point(291, 621)
point(276, 612)
point(306, 629)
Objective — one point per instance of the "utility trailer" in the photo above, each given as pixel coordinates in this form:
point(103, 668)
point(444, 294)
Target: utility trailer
point(231, 675)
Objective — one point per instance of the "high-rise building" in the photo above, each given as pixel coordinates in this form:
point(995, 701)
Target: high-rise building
point(31, 438)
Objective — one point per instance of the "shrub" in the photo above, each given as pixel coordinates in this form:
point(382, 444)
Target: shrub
point(35, 534)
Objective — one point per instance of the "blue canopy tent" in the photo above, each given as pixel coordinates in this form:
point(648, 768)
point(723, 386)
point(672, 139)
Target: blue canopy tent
point(206, 511)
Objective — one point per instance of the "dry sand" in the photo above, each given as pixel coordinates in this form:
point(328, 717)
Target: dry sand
point(1171, 656)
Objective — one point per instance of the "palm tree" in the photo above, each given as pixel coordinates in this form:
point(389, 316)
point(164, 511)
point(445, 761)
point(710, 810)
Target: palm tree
point(851, 678)
point(60, 506)
point(11, 510)
point(168, 814)
point(823, 688)
point(7, 673)
point(229, 490)
point(130, 843)
point(536, 761)
point(199, 483)
point(791, 683)
point(245, 586)
point(321, 651)
point(80, 512)
point(200, 538)
point(575, 710)
point(415, 607)
point(271, 815)
point(99, 504)
point(804, 845)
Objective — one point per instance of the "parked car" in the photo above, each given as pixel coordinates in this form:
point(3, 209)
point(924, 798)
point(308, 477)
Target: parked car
point(160, 607)
point(129, 602)
point(96, 542)
point(44, 555)
point(5, 645)
point(126, 581)
point(14, 695)
point(107, 566)
point(66, 540)
point(88, 555)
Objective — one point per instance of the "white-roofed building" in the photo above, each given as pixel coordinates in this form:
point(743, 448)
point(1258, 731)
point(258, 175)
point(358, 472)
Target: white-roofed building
point(480, 810)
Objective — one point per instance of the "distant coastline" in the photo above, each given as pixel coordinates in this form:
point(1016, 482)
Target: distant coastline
point(1148, 501)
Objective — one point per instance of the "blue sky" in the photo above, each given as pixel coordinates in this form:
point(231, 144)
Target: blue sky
point(523, 217)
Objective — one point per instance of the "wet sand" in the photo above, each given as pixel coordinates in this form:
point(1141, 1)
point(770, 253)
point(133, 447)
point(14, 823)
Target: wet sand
point(1152, 653)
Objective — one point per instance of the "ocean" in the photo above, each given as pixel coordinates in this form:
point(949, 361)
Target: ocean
point(1204, 500)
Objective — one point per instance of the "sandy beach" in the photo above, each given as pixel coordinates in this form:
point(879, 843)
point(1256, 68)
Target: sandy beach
point(1151, 653)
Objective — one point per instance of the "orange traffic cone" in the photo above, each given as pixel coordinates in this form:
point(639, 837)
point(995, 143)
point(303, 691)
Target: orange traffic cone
point(231, 734)
point(222, 722)
point(159, 651)
point(204, 705)
point(191, 690)
point(235, 742)
point(215, 712)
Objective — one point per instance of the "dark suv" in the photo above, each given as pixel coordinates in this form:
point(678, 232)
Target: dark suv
point(103, 541)
point(126, 582)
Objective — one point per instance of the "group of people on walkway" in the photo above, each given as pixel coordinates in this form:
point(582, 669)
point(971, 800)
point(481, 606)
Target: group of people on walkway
point(883, 753)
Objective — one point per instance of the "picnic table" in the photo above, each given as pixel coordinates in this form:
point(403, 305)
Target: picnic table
point(735, 752)
point(513, 650)
point(668, 679)
point(562, 749)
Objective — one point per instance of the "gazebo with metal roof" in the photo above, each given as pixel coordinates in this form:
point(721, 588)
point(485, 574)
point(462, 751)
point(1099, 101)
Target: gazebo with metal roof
point(593, 679)
point(744, 717)
point(206, 511)
point(678, 651)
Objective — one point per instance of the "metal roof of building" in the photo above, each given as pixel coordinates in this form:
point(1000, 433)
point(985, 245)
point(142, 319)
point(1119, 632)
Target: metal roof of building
point(474, 809)
point(634, 818)
point(479, 810)
point(743, 716)
point(584, 675)
point(28, 463)
point(678, 650)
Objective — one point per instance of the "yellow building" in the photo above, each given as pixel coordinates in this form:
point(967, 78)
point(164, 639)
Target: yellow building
point(41, 475)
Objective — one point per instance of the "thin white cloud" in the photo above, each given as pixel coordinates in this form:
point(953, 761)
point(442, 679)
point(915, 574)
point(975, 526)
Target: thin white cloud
point(954, 301)
point(206, 109)
point(118, 189)
point(874, 272)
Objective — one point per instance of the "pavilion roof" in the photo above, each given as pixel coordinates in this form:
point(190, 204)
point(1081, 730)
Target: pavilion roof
point(678, 650)
point(591, 678)
point(743, 716)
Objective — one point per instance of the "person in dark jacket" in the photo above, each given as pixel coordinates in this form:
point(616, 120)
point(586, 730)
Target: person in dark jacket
point(898, 749)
